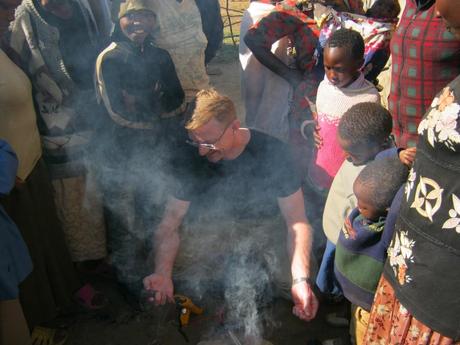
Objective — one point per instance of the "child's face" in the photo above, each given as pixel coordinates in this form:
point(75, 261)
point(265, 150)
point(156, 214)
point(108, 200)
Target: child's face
point(340, 68)
point(359, 154)
point(137, 25)
point(365, 205)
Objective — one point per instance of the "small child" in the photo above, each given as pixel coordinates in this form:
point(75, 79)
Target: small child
point(343, 86)
point(362, 245)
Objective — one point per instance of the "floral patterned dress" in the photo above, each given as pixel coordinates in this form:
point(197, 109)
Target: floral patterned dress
point(417, 300)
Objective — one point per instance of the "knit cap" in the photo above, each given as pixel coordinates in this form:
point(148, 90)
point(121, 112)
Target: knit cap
point(133, 5)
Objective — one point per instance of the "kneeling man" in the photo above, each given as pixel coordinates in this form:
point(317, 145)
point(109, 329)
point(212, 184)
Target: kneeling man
point(235, 181)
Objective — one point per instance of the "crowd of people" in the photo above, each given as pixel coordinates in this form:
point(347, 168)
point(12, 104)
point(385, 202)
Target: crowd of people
point(117, 155)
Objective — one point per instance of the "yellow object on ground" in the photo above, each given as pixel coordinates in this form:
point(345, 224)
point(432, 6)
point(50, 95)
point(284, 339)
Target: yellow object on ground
point(358, 325)
point(187, 308)
point(48, 336)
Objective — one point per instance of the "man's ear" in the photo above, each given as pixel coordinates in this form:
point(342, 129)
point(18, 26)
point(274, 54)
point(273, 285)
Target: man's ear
point(236, 124)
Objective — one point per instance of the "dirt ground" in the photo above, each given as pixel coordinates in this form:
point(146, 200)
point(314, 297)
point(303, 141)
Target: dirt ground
point(123, 323)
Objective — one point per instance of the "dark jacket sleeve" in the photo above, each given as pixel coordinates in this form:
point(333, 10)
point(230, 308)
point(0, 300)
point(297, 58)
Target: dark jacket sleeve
point(112, 70)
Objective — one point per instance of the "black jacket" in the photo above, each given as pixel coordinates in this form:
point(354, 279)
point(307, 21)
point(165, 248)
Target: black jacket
point(145, 75)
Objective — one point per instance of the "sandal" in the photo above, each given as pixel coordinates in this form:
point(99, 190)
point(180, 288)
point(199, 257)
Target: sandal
point(48, 336)
point(90, 298)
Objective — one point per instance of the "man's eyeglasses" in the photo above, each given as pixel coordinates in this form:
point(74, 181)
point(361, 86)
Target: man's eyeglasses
point(202, 145)
point(208, 146)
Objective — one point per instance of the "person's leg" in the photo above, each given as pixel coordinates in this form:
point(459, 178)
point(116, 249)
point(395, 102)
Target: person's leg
point(13, 325)
point(390, 320)
point(79, 205)
point(53, 281)
point(213, 27)
point(119, 201)
point(326, 281)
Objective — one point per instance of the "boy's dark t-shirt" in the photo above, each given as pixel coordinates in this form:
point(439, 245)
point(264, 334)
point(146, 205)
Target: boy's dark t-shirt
point(243, 188)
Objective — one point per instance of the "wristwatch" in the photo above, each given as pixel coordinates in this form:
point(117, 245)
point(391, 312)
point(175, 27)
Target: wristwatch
point(301, 279)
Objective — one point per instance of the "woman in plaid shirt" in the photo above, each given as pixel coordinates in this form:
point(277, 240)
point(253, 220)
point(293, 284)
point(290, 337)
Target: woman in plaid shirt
point(424, 59)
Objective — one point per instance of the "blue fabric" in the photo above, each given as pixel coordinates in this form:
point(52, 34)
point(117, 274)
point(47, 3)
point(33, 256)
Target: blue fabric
point(15, 262)
point(362, 236)
point(388, 153)
point(8, 167)
point(325, 280)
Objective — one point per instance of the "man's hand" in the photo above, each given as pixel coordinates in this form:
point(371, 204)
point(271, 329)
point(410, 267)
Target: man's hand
point(162, 286)
point(305, 301)
point(407, 156)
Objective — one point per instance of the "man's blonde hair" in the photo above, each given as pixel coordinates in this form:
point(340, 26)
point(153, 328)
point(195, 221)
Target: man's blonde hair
point(211, 105)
